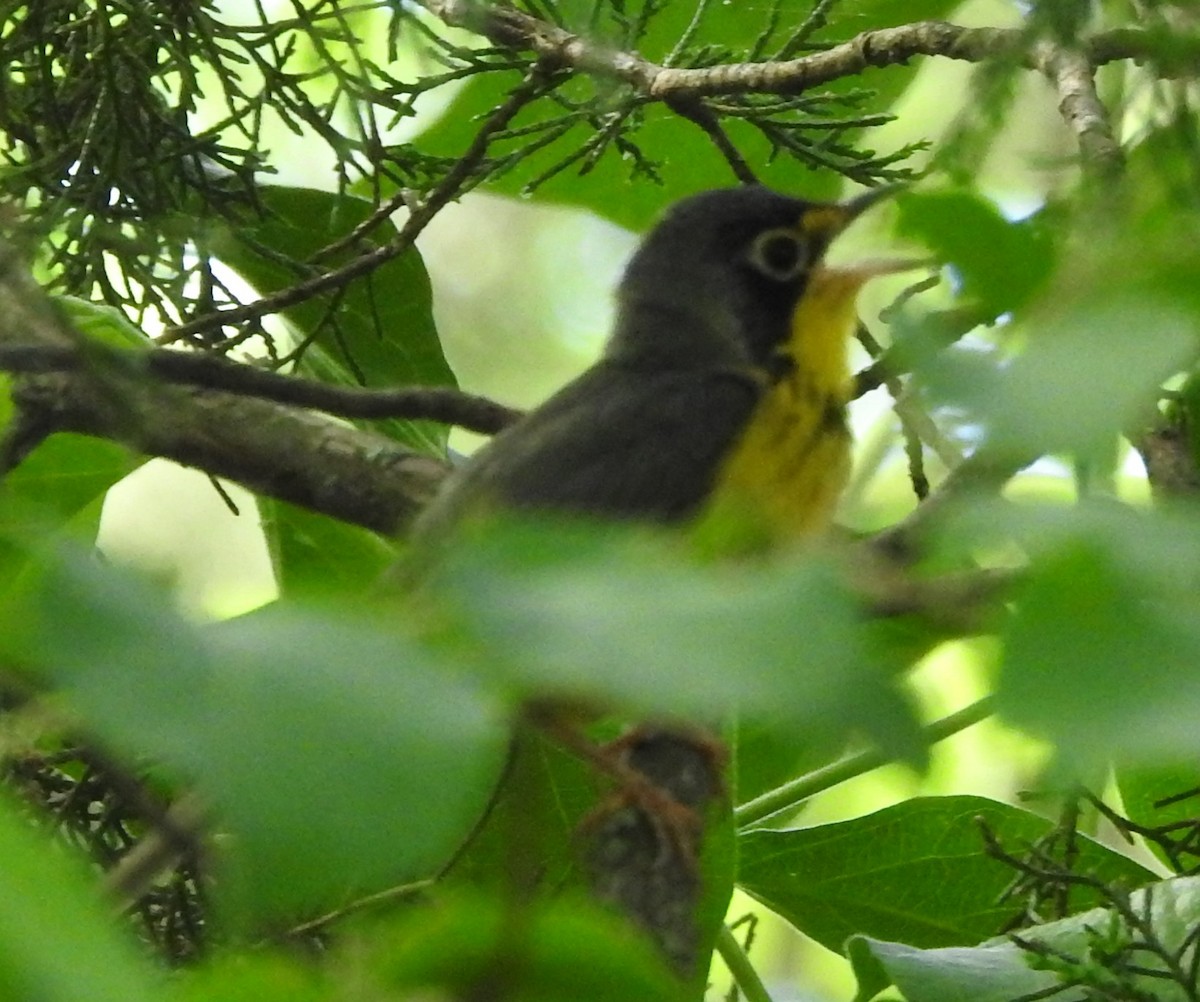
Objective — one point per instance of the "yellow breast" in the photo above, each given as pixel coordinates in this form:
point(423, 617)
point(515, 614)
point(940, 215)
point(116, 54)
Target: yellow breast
point(791, 463)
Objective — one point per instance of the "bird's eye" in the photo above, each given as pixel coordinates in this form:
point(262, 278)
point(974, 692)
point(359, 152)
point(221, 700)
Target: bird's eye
point(779, 254)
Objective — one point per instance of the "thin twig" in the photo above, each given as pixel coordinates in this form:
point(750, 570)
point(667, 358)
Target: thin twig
point(444, 192)
point(430, 403)
point(791, 795)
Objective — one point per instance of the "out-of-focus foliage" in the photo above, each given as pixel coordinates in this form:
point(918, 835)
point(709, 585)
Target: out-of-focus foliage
point(346, 750)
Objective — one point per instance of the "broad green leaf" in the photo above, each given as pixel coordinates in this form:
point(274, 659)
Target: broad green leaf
point(560, 951)
point(58, 941)
point(683, 156)
point(317, 556)
point(1086, 955)
point(1165, 798)
point(59, 480)
point(340, 757)
point(383, 333)
point(915, 872)
point(58, 490)
point(622, 617)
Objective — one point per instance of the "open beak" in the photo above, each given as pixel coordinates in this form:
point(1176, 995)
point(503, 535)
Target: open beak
point(835, 286)
point(830, 220)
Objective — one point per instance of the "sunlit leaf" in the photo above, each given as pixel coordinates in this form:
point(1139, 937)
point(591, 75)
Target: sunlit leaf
point(102, 323)
point(884, 875)
point(999, 970)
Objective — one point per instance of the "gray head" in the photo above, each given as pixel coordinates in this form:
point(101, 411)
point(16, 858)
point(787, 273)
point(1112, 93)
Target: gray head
point(718, 278)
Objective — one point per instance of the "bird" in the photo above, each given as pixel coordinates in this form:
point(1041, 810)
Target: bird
point(723, 386)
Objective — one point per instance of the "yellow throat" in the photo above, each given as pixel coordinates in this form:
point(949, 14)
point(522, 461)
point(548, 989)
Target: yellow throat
point(791, 463)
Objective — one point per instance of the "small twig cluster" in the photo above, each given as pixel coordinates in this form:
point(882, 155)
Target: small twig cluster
point(1120, 955)
point(93, 805)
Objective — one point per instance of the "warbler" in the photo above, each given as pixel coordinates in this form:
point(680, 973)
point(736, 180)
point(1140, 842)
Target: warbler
point(725, 380)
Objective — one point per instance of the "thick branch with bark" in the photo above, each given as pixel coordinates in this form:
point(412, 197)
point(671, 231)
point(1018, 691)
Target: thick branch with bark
point(276, 451)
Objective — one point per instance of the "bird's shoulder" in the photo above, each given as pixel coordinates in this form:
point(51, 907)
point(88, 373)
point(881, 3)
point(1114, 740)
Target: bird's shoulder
point(618, 441)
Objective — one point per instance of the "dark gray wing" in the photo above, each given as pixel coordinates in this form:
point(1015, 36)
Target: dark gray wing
point(614, 443)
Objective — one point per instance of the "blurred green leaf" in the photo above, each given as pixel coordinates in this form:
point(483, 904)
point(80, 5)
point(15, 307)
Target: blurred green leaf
point(1099, 660)
point(1001, 263)
point(257, 977)
point(1090, 376)
point(1186, 406)
point(316, 556)
point(1085, 360)
point(613, 615)
point(341, 756)
point(1000, 971)
point(885, 875)
point(58, 941)
point(560, 951)
point(1099, 654)
point(382, 333)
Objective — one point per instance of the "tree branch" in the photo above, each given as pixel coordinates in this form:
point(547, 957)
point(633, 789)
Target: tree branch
point(985, 471)
point(1171, 468)
point(429, 403)
point(1074, 77)
point(513, 29)
point(278, 451)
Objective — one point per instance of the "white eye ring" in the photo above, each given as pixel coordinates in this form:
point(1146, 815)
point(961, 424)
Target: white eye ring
point(780, 254)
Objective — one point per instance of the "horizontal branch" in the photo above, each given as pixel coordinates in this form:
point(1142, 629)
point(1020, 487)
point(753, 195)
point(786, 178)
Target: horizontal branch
point(277, 451)
point(413, 403)
point(505, 26)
